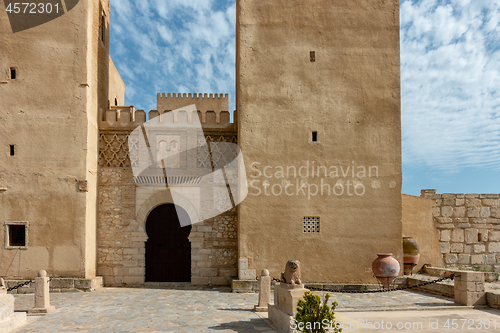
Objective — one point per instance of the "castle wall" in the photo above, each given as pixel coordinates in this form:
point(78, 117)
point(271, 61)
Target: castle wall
point(348, 92)
point(124, 205)
point(49, 113)
point(469, 229)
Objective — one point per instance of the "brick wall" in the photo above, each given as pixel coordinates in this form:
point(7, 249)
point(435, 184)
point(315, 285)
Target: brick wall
point(469, 229)
point(120, 239)
point(214, 250)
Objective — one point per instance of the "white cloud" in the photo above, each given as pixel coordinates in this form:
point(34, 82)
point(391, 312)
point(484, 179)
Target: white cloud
point(165, 33)
point(450, 80)
point(175, 44)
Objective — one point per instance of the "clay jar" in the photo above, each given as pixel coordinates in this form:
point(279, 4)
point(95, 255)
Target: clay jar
point(385, 268)
point(411, 254)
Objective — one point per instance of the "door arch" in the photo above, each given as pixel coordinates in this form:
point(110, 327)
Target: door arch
point(168, 250)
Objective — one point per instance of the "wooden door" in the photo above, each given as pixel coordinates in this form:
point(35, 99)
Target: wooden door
point(168, 250)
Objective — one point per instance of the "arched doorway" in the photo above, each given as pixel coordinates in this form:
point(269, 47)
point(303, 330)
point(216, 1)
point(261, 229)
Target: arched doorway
point(168, 250)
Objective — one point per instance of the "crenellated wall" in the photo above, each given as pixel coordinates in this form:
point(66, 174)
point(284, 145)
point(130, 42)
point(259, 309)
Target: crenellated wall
point(469, 229)
point(121, 227)
point(203, 102)
point(127, 118)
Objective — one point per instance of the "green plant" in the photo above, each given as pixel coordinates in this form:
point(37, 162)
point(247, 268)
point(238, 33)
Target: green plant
point(314, 317)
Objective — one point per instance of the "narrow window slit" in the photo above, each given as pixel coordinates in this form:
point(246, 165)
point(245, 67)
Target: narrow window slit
point(314, 136)
point(312, 56)
point(12, 151)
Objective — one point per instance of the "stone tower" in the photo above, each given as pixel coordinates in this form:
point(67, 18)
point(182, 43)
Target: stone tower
point(54, 79)
point(318, 97)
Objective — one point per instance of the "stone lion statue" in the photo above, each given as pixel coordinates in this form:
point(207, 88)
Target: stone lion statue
point(292, 273)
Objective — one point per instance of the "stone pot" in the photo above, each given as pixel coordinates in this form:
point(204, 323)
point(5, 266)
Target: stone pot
point(411, 254)
point(385, 268)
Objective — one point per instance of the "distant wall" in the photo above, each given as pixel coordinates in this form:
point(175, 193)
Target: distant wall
point(418, 223)
point(116, 85)
point(469, 229)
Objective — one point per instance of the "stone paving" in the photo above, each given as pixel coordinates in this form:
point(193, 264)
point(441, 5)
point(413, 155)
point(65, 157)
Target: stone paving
point(175, 310)
point(390, 301)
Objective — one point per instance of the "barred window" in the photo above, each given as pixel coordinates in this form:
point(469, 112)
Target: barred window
point(311, 224)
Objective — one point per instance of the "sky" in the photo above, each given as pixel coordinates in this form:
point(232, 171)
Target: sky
point(450, 77)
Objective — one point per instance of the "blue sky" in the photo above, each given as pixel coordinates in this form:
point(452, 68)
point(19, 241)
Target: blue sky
point(450, 77)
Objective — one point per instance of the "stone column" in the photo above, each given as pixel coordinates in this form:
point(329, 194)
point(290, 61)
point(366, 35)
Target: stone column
point(42, 296)
point(469, 288)
point(264, 292)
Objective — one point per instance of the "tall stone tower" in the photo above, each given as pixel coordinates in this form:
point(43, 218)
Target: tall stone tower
point(54, 78)
point(318, 98)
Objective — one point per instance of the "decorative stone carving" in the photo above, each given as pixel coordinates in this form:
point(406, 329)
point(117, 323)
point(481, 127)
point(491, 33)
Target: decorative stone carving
point(114, 151)
point(168, 151)
point(221, 154)
point(291, 276)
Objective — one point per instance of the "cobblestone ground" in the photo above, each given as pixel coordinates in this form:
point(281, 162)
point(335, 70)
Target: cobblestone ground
point(173, 310)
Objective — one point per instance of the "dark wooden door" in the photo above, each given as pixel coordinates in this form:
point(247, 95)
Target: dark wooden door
point(168, 251)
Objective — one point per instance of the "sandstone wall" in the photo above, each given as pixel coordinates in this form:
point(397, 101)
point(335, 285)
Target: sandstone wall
point(469, 229)
point(318, 82)
point(49, 114)
point(418, 223)
point(214, 250)
point(120, 249)
point(116, 86)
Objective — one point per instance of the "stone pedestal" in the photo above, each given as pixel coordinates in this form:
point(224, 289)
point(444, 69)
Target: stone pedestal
point(284, 309)
point(469, 288)
point(264, 292)
point(42, 296)
point(9, 320)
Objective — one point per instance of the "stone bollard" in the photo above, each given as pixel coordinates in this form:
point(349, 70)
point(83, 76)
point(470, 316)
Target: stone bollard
point(42, 296)
point(469, 288)
point(3, 288)
point(264, 292)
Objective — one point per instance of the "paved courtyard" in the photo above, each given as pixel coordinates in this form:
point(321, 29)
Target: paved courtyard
point(218, 310)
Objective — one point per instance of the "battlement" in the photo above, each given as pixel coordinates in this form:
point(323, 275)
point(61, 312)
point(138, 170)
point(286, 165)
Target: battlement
point(121, 117)
point(195, 95)
point(127, 118)
point(203, 102)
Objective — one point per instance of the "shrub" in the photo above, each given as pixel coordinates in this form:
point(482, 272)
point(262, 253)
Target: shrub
point(314, 317)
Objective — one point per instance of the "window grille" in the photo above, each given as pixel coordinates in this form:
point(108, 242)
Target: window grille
point(311, 224)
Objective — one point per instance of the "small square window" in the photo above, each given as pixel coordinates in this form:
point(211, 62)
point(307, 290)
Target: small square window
point(312, 56)
point(16, 235)
point(311, 224)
